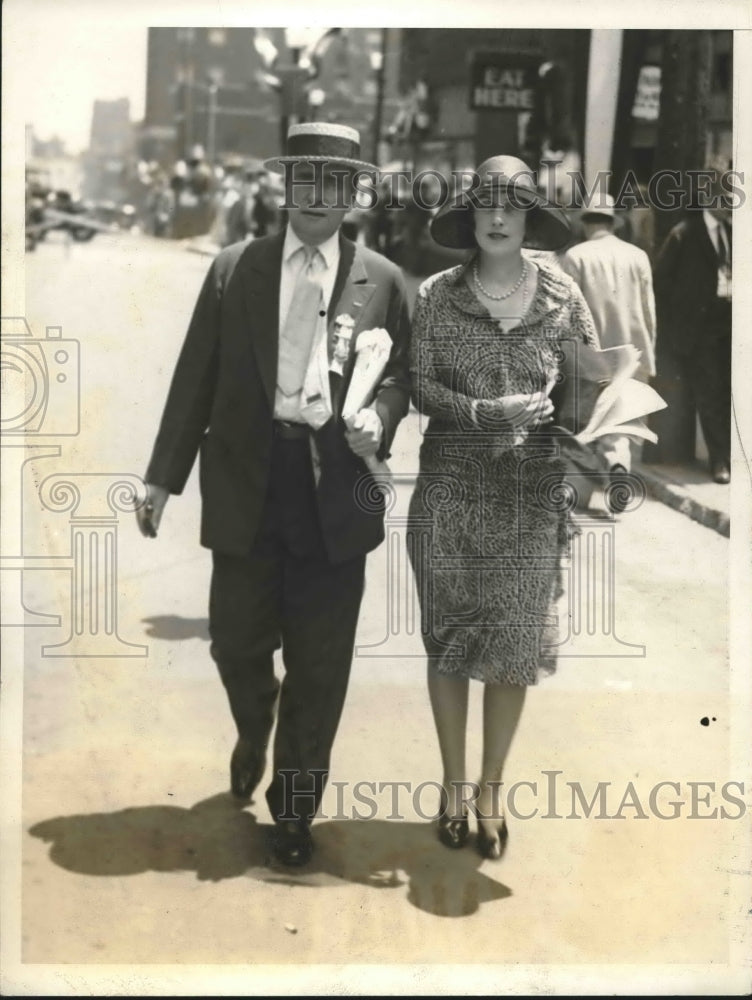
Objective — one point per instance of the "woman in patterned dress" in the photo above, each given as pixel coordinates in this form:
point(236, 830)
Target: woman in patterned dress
point(486, 533)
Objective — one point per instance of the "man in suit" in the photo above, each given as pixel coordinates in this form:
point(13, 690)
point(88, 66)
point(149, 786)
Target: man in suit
point(692, 275)
point(286, 508)
point(615, 278)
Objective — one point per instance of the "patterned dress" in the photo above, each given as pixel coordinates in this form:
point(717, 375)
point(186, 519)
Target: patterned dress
point(487, 527)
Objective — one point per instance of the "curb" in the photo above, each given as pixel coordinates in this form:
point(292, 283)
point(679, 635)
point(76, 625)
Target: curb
point(675, 495)
point(196, 245)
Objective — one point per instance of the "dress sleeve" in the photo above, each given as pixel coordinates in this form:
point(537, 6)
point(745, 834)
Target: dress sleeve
point(581, 325)
point(428, 367)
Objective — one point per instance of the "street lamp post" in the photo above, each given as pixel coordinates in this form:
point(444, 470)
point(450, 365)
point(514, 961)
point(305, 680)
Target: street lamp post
point(211, 124)
point(316, 98)
point(377, 65)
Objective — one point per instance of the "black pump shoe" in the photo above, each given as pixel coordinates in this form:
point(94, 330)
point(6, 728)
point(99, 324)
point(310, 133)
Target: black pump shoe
point(453, 833)
point(492, 847)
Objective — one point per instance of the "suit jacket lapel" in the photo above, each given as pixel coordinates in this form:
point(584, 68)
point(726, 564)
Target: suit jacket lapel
point(351, 291)
point(261, 288)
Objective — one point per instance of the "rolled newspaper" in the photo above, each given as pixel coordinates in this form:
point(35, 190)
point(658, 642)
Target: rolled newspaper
point(372, 350)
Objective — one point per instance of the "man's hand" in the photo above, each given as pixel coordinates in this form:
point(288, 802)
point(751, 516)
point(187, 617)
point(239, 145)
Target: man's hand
point(364, 433)
point(150, 514)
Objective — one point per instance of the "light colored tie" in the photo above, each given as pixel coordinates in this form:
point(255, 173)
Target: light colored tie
point(301, 323)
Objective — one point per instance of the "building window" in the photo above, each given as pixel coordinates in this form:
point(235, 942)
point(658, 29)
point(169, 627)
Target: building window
point(217, 36)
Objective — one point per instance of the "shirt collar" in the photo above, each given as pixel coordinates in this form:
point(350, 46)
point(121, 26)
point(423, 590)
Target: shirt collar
point(329, 249)
point(710, 221)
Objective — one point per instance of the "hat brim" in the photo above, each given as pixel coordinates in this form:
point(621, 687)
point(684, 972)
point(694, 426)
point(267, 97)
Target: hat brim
point(547, 227)
point(278, 163)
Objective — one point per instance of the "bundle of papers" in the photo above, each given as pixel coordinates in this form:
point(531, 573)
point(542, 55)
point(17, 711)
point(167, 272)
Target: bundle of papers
point(599, 396)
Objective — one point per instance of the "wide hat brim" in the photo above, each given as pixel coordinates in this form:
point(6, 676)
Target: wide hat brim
point(546, 228)
point(278, 163)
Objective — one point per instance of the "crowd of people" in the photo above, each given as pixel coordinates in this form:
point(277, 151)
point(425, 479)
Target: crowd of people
point(227, 202)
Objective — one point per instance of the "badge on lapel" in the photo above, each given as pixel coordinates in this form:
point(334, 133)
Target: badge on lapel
point(344, 325)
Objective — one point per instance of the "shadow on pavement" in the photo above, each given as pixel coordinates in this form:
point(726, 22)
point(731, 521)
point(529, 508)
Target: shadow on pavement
point(173, 627)
point(218, 839)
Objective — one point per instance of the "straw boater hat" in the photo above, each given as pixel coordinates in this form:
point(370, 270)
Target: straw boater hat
point(546, 226)
point(321, 142)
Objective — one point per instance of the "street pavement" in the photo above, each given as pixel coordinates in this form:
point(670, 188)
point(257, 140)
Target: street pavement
point(135, 854)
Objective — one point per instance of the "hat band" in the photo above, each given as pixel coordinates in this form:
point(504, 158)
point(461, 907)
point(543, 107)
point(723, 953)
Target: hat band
point(487, 194)
point(323, 145)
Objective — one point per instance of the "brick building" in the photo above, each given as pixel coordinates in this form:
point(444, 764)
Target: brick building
point(209, 86)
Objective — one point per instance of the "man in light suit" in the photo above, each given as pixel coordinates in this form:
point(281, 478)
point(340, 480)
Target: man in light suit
point(286, 508)
point(616, 280)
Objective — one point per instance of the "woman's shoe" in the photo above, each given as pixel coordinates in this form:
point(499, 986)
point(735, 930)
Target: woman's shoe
point(492, 847)
point(453, 833)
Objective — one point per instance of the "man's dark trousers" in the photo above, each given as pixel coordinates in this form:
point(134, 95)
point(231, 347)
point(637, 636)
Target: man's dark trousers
point(708, 373)
point(286, 592)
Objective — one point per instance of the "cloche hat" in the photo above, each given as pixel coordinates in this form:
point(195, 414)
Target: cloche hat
point(547, 227)
point(321, 142)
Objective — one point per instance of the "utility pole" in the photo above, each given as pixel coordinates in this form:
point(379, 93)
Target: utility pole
point(683, 122)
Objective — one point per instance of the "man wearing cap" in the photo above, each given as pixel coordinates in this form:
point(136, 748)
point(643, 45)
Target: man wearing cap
point(615, 279)
point(286, 505)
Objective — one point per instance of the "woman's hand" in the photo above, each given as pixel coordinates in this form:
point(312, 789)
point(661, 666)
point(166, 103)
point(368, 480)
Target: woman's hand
point(527, 410)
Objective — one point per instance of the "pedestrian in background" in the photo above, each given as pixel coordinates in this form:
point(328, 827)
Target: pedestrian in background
point(693, 290)
point(485, 546)
point(239, 218)
point(161, 205)
point(282, 484)
point(616, 281)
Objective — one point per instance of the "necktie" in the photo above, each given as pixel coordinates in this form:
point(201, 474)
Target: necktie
point(722, 249)
point(297, 334)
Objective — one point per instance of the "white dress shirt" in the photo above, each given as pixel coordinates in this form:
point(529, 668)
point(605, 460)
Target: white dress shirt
point(718, 237)
point(325, 270)
point(292, 262)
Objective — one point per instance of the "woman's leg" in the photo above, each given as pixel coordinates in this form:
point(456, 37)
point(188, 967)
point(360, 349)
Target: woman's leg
point(449, 703)
point(502, 708)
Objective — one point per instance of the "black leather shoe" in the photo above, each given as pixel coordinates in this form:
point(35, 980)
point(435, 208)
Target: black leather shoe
point(492, 847)
point(618, 492)
point(292, 843)
point(720, 472)
point(453, 833)
point(247, 766)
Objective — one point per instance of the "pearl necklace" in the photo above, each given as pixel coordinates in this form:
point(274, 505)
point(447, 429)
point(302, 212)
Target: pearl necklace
point(506, 295)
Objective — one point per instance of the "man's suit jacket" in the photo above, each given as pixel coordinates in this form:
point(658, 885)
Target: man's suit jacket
point(615, 278)
point(685, 277)
point(221, 399)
